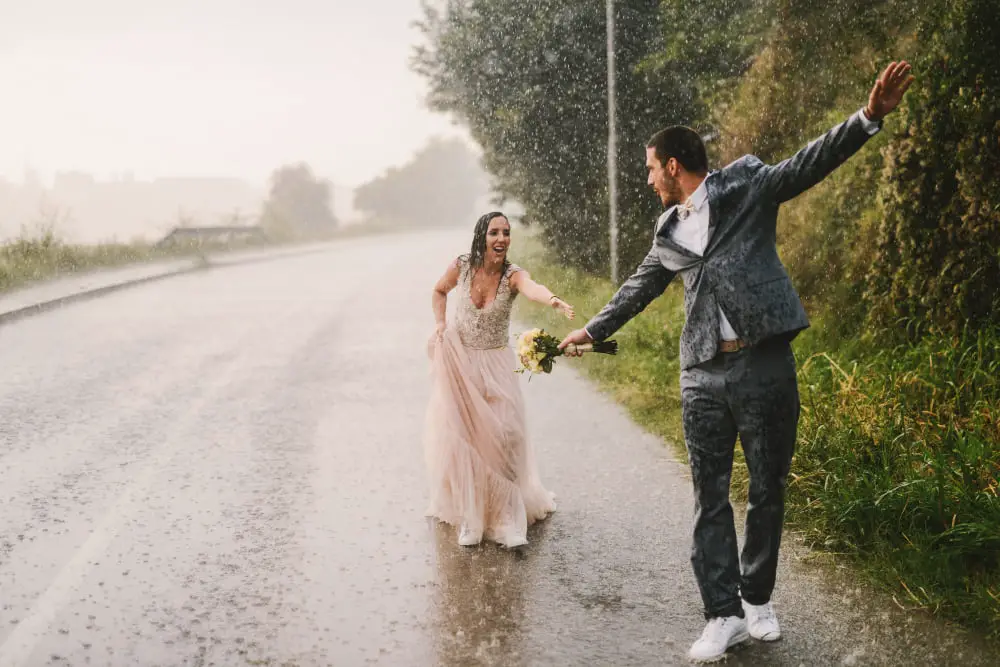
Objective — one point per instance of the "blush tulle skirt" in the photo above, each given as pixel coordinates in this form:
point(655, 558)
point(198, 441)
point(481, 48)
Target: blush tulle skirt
point(480, 464)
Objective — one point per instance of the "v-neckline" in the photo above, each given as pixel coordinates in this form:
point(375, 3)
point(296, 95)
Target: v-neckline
point(495, 294)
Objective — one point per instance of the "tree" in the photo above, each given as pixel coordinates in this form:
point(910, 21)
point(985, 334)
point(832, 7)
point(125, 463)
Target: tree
point(936, 261)
point(529, 79)
point(810, 65)
point(298, 204)
point(441, 185)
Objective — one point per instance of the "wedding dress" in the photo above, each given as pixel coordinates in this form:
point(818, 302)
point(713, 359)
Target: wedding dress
point(481, 467)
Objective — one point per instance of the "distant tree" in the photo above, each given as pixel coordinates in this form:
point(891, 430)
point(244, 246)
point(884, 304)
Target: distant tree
point(440, 185)
point(299, 204)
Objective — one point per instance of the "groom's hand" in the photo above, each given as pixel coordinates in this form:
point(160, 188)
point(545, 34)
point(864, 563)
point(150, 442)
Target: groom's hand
point(888, 90)
point(578, 337)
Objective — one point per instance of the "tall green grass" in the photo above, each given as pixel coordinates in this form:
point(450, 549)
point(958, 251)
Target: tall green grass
point(28, 259)
point(898, 466)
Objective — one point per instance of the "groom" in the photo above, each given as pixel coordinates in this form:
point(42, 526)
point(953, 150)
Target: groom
point(737, 368)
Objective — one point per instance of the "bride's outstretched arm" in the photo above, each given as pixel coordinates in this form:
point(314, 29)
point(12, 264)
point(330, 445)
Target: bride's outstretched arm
point(539, 293)
point(439, 298)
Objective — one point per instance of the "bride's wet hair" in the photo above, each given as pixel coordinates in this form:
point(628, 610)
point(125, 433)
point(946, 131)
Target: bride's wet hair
point(478, 252)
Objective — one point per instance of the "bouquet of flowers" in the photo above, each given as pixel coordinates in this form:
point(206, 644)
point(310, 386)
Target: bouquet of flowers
point(537, 350)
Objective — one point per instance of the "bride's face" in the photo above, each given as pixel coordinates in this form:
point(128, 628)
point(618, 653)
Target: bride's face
point(497, 239)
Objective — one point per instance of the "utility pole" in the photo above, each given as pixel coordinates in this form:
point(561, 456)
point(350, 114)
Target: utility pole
point(612, 145)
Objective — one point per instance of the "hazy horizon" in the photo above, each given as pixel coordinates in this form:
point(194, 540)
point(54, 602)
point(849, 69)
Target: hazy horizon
point(211, 89)
point(220, 92)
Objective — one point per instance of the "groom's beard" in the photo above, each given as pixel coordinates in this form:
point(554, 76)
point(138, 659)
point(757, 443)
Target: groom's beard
point(672, 194)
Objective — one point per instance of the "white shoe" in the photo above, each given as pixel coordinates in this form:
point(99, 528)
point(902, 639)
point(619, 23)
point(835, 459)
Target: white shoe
point(468, 537)
point(719, 635)
point(514, 542)
point(762, 622)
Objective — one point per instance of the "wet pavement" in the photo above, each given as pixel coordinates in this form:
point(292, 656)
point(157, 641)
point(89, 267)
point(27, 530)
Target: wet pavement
point(225, 468)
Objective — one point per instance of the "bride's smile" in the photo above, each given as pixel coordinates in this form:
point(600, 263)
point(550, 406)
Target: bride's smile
point(498, 240)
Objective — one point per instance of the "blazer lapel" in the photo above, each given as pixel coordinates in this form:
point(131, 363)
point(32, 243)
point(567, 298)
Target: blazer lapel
point(665, 238)
point(713, 214)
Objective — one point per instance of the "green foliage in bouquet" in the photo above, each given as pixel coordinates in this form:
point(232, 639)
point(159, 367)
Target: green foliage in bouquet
point(537, 350)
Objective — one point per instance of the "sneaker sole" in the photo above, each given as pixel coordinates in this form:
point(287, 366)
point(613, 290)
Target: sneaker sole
point(513, 545)
point(741, 638)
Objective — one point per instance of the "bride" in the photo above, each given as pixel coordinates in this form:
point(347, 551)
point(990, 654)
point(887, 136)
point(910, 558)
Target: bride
point(482, 470)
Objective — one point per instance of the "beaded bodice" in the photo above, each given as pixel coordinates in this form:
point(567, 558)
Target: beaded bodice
point(489, 327)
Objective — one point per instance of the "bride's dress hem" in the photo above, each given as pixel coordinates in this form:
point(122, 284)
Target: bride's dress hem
point(504, 542)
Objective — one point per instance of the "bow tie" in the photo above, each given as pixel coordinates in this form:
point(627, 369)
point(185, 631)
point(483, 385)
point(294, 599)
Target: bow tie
point(685, 209)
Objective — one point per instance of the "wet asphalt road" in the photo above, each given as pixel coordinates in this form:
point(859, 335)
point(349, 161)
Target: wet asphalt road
point(225, 468)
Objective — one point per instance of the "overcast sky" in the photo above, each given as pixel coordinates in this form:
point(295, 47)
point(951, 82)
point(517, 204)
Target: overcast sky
point(210, 87)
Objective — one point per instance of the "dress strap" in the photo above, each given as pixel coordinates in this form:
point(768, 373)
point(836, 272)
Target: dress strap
point(463, 266)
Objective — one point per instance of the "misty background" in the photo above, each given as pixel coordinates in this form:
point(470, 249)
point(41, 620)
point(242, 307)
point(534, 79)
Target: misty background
point(122, 120)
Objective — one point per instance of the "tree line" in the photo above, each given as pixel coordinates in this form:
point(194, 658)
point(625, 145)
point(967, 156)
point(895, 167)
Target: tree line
point(905, 233)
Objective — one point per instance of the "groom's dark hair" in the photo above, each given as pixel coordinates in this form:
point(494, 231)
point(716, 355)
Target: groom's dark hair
point(683, 144)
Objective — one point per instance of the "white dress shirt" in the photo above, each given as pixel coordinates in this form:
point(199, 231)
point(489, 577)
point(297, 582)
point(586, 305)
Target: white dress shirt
point(691, 232)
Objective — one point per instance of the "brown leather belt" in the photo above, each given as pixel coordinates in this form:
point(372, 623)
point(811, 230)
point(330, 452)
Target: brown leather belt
point(732, 345)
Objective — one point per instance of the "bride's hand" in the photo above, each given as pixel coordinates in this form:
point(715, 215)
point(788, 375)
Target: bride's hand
point(436, 338)
point(566, 309)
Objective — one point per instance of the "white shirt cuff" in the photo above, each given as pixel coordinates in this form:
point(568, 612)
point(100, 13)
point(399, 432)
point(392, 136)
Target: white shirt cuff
point(871, 126)
point(588, 333)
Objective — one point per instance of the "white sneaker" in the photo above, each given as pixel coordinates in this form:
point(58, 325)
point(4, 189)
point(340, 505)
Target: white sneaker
point(468, 537)
point(762, 622)
point(719, 636)
point(514, 542)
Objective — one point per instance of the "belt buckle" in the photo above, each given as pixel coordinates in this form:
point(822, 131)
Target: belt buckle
point(732, 345)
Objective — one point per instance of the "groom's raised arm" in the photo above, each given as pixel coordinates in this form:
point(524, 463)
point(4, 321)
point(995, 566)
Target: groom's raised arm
point(816, 161)
point(647, 283)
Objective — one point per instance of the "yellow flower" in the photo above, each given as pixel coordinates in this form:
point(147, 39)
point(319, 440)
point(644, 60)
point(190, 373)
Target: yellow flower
point(527, 351)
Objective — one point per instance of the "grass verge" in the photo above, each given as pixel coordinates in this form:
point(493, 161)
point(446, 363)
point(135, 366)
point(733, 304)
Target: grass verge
point(26, 260)
point(643, 376)
point(31, 259)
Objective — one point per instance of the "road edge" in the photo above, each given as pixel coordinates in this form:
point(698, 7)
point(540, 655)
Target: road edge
point(203, 263)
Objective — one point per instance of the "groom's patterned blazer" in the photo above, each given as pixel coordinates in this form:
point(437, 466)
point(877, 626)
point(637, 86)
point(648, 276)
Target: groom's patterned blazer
point(740, 270)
